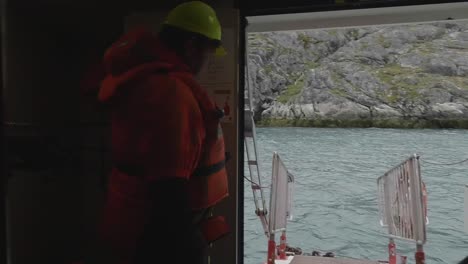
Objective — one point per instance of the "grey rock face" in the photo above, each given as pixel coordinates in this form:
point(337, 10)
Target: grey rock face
point(379, 72)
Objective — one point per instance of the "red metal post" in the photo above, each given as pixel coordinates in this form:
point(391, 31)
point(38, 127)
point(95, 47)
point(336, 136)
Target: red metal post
point(419, 256)
point(391, 252)
point(271, 252)
point(282, 247)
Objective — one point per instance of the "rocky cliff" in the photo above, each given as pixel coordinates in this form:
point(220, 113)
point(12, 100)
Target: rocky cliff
point(381, 76)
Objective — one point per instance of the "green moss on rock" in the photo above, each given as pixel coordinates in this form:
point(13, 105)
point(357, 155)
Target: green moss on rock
point(338, 92)
point(291, 91)
point(305, 40)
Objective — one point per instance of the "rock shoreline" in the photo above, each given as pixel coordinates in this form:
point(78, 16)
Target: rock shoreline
point(396, 76)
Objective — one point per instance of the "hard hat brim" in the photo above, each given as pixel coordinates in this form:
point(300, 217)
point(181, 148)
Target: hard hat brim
point(220, 51)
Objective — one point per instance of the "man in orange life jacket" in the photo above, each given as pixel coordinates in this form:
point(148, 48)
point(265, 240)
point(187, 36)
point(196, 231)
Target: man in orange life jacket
point(167, 144)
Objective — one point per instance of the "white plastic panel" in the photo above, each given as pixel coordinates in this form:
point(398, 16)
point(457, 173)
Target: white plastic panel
point(401, 205)
point(279, 196)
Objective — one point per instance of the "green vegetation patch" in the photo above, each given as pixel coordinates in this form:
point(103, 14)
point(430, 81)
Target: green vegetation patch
point(400, 89)
point(305, 40)
point(364, 46)
point(339, 92)
point(426, 48)
point(333, 32)
point(354, 33)
point(312, 64)
point(285, 51)
point(268, 69)
point(291, 91)
point(383, 41)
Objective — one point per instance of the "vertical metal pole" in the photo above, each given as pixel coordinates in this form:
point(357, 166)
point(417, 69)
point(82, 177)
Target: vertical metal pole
point(240, 138)
point(418, 210)
point(272, 223)
point(388, 183)
point(3, 177)
point(466, 208)
point(420, 205)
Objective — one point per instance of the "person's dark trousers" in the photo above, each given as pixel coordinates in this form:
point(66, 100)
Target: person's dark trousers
point(171, 236)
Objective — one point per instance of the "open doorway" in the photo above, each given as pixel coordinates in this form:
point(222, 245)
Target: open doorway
point(336, 101)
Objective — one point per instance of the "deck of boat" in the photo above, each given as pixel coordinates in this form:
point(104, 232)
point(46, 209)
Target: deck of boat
point(322, 260)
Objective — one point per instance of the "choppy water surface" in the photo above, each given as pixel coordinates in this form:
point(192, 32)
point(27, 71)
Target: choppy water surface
point(336, 196)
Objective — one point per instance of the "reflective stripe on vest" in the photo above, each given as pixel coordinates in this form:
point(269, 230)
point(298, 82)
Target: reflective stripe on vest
point(206, 171)
point(208, 184)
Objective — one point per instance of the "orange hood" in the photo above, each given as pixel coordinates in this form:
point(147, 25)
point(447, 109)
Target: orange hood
point(136, 54)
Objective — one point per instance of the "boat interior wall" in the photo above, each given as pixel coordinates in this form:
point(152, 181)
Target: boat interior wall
point(59, 135)
point(3, 231)
point(122, 7)
point(54, 156)
point(272, 7)
point(359, 17)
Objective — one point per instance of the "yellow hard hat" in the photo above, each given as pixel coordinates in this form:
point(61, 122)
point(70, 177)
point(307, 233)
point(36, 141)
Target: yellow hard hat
point(197, 17)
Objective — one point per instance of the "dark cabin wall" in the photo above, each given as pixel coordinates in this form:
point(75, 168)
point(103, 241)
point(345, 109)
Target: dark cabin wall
point(48, 46)
point(57, 137)
point(3, 235)
point(49, 193)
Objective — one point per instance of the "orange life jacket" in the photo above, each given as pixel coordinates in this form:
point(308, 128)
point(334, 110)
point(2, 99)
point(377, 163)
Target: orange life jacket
point(130, 59)
point(209, 182)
